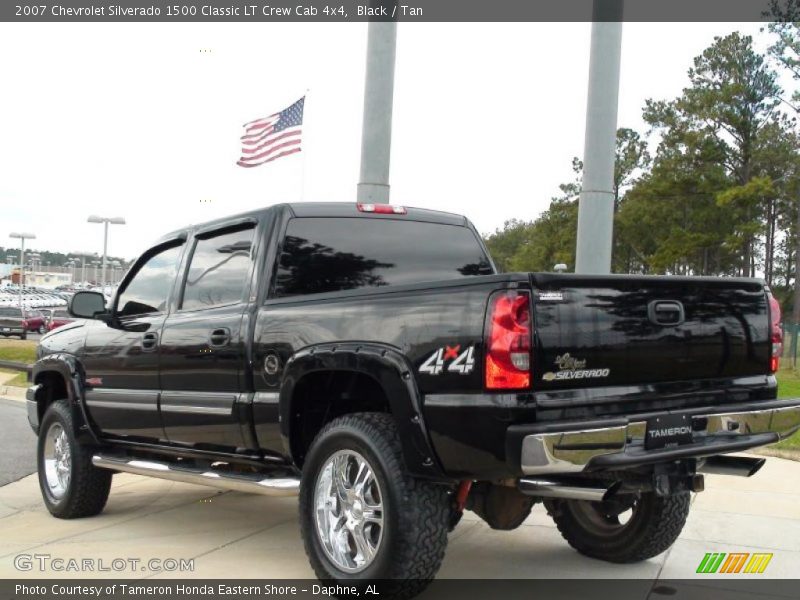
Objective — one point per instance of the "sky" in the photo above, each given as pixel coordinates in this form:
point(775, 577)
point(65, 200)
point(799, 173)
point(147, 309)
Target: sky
point(142, 120)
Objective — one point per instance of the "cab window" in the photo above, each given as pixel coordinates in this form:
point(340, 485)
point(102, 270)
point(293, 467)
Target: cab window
point(149, 289)
point(218, 270)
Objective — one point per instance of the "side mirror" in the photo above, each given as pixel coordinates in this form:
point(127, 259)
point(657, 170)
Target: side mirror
point(87, 305)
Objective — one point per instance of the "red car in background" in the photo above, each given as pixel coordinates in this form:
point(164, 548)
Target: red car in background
point(35, 321)
point(59, 318)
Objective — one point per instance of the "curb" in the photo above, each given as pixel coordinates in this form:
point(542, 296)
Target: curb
point(778, 453)
point(10, 392)
point(17, 366)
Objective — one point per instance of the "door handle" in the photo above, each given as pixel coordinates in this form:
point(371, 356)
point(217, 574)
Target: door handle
point(219, 337)
point(666, 312)
point(149, 341)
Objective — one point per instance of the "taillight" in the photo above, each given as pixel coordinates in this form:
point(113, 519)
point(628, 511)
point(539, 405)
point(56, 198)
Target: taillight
point(776, 333)
point(508, 341)
point(382, 209)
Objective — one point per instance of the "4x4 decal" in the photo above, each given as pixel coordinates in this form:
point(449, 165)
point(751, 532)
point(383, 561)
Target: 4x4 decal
point(462, 362)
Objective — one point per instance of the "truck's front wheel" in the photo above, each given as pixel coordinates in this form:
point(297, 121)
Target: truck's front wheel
point(72, 487)
point(362, 516)
point(621, 532)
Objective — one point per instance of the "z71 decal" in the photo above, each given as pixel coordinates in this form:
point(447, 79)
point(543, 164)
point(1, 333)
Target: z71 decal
point(462, 362)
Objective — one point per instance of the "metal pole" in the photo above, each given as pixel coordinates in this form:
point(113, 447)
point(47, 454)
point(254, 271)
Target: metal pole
point(596, 205)
point(105, 250)
point(21, 270)
point(796, 304)
point(376, 131)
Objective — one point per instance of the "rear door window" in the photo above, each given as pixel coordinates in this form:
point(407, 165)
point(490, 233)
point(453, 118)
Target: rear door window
point(333, 254)
point(218, 270)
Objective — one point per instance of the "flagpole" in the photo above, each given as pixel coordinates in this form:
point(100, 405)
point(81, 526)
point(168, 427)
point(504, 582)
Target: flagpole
point(304, 151)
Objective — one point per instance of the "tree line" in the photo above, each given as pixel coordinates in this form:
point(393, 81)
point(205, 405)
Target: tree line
point(715, 192)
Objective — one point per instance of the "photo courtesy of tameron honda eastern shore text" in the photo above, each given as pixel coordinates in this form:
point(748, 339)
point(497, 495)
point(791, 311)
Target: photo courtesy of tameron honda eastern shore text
point(370, 359)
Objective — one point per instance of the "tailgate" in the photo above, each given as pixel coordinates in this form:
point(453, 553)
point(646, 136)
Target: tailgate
point(594, 331)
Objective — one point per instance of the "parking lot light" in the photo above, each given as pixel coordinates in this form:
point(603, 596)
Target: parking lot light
point(105, 221)
point(22, 237)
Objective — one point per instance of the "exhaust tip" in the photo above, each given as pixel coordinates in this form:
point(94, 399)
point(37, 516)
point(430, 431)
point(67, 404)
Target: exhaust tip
point(741, 466)
point(612, 491)
point(757, 464)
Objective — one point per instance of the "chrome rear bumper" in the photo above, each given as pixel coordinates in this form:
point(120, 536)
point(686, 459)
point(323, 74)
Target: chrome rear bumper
point(619, 443)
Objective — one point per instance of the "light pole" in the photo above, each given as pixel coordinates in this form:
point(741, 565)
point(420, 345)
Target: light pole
point(376, 129)
point(82, 260)
point(71, 265)
point(114, 266)
point(22, 237)
point(35, 258)
point(596, 204)
point(105, 221)
point(95, 264)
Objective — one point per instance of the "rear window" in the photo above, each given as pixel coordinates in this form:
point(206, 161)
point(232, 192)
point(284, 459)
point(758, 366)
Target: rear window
point(10, 312)
point(334, 254)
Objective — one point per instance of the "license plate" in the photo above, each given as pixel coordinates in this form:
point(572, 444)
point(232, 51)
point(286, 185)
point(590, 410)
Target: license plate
point(668, 430)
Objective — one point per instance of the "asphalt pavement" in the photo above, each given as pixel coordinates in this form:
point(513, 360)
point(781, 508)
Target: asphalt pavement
point(17, 442)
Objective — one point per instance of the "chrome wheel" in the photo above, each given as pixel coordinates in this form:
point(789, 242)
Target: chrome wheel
point(57, 461)
point(348, 510)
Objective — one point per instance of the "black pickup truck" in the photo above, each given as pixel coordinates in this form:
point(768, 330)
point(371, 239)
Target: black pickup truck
point(370, 359)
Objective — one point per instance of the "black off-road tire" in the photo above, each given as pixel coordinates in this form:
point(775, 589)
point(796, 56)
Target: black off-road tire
point(88, 488)
point(416, 512)
point(23, 336)
point(651, 530)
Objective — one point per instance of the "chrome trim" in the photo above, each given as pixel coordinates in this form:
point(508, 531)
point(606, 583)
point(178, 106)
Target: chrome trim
point(571, 451)
point(30, 393)
point(32, 406)
point(348, 511)
point(57, 462)
point(553, 488)
point(254, 484)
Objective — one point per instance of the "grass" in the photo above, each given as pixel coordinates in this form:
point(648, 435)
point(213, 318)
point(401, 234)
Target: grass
point(19, 379)
point(23, 351)
point(789, 387)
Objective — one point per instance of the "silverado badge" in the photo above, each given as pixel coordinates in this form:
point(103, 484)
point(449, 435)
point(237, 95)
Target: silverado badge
point(570, 367)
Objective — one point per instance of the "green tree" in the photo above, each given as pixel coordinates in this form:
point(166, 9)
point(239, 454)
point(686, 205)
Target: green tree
point(733, 95)
point(540, 244)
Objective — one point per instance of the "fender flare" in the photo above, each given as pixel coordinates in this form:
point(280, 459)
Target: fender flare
point(392, 371)
point(70, 369)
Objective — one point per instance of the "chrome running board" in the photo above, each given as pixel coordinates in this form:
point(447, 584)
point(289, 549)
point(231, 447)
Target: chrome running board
point(240, 482)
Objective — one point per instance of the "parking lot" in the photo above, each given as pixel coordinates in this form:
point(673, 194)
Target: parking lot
point(227, 533)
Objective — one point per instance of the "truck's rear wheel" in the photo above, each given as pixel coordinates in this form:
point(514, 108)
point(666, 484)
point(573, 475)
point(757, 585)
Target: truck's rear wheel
point(621, 532)
point(71, 485)
point(362, 516)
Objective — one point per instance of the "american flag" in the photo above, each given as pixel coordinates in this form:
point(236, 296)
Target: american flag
point(274, 136)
